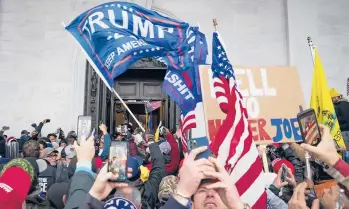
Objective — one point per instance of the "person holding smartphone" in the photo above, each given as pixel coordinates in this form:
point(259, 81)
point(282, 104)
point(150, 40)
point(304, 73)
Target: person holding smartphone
point(104, 142)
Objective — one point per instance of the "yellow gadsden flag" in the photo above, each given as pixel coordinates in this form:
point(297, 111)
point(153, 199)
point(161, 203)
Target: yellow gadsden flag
point(321, 102)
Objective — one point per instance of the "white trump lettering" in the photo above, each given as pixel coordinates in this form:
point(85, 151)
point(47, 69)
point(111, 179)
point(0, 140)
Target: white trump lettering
point(97, 21)
point(161, 31)
point(139, 25)
point(147, 27)
point(112, 18)
point(177, 82)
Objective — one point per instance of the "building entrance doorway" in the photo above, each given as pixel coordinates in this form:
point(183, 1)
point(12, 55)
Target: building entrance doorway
point(149, 121)
point(141, 83)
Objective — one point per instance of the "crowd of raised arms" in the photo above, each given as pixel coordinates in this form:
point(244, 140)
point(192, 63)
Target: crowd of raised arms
point(64, 171)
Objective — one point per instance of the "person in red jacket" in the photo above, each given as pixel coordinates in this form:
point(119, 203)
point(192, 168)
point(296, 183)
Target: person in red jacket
point(171, 167)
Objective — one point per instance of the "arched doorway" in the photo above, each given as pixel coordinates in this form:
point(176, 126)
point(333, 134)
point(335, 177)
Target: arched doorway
point(142, 82)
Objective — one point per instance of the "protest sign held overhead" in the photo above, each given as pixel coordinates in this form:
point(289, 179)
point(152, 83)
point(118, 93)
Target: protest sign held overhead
point(266, 92)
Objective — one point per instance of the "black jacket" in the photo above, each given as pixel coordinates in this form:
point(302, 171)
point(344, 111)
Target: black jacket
point(297, 164)
point(46, 177)
point(342, 112)
point(79, 187)
point(150, 188)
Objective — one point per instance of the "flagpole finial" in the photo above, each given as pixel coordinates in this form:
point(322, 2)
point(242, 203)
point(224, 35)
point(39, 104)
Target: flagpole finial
point(215, 24)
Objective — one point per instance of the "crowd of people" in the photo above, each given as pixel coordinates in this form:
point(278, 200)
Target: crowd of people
point(62, 171)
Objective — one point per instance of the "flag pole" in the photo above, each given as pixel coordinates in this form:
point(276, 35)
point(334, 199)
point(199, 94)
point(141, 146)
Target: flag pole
point(312, 48)
point(128, 109)
point(215, 24)
point(106, 83)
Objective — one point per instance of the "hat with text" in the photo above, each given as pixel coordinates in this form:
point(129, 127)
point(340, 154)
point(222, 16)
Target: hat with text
point(119, 203)
point(13, 191)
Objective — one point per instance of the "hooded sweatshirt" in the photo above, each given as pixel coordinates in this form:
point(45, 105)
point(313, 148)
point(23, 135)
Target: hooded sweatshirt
point(342, 111)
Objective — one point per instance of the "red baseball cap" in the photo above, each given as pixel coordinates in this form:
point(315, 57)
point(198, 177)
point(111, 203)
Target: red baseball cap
point(14, 186)
point(277, 163)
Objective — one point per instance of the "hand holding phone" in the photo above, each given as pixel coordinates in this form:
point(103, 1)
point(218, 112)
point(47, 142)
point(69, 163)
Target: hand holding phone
point(117, 161)
point(284, 173)
point(102, 185)
point(84, 127)
point(309, 127)
point(199, 142)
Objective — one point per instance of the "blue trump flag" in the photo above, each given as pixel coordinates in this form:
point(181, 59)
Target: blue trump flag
point(177, 87)
point(182, 81)
point(115, 35)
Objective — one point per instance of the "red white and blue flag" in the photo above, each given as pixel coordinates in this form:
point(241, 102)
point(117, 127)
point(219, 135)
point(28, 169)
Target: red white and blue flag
point(233, 144)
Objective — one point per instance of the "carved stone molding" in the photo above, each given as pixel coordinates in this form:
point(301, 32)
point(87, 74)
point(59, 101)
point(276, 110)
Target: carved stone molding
point(148, 63)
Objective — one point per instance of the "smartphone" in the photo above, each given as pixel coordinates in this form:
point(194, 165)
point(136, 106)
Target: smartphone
point(117, 160)
point(93, 132)
point(309, 127)
point(199, 142)
point(84, 127)
point(284, 173)
point(48, 120)
point(312, 192)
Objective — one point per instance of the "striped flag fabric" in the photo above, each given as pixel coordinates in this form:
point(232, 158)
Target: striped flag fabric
point(311, 133)
point(186, 123)
point(233, 144)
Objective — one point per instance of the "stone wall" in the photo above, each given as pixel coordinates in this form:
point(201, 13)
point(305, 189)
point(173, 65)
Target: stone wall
point(42, 69)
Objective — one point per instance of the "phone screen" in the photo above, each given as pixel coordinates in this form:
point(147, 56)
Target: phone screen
point(199, 142)
point(284, 173)
point(118, 159)
point(309, 127)
point(84, 127)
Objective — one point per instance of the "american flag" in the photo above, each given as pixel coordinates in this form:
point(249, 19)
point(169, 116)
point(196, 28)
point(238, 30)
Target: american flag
point(233, 144)
point(186, 123)
point(198, 52)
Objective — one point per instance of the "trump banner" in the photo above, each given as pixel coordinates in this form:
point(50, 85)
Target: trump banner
point(117, 34)
point(271, 95)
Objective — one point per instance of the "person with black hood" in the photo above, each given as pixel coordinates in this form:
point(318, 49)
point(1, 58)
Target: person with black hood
point(341, 106)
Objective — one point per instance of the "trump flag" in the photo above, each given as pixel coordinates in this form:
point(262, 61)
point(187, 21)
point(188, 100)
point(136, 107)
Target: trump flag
point(115, 35)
